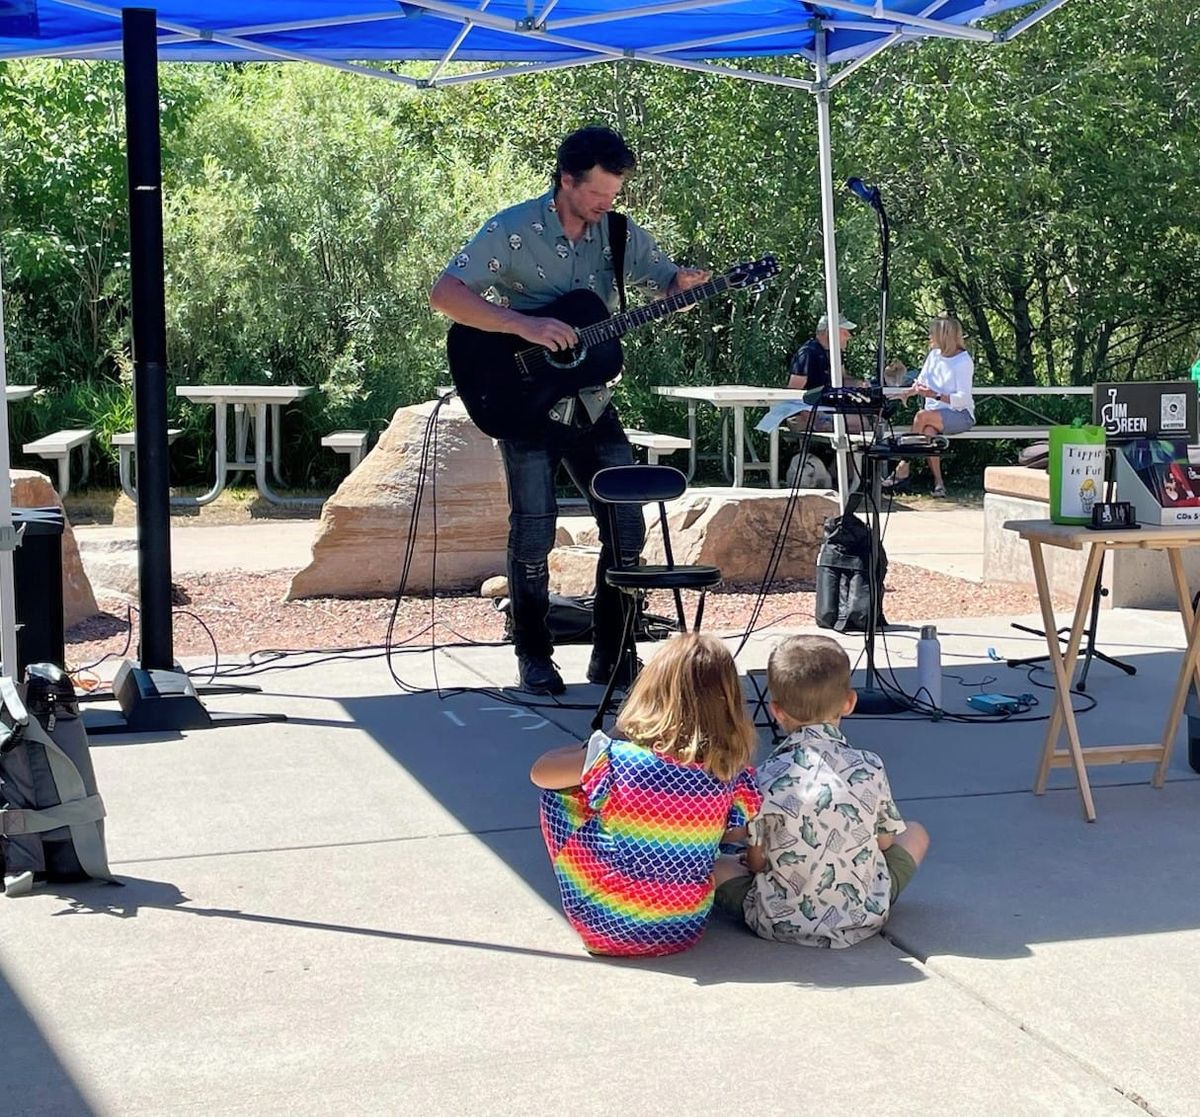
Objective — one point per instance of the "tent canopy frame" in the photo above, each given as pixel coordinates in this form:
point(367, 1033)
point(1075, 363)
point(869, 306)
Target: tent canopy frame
point(541, 44)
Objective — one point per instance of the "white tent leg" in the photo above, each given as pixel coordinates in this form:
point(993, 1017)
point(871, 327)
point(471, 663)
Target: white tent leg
point(8, 599)
point(841, 444)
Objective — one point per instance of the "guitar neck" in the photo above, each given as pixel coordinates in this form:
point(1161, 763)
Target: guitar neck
point(620, 324)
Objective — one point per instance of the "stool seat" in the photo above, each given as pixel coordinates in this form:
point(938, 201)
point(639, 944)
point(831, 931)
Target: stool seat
point(640, 578)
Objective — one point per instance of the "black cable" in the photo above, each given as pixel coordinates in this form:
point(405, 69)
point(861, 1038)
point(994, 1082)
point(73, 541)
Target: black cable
point(778, 545)
point(129, 611)
point(212, 638)
point(428, 449)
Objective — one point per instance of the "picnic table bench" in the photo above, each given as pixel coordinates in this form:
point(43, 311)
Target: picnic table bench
point(57, 447)
point(351, 443)
point(126, 444)
point(656, 445)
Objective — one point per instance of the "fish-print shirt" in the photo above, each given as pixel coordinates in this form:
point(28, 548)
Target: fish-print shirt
point(524, 260)
point(824, 806)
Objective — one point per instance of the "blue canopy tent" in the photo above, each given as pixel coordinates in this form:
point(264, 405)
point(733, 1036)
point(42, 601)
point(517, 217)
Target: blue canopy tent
point(512, 37)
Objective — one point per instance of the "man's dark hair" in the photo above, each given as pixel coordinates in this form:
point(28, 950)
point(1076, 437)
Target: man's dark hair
point(590, 147)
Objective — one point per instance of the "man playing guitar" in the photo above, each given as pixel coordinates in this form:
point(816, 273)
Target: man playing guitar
point(529, 255)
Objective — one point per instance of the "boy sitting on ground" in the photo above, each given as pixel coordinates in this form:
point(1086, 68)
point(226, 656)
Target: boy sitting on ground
point(829, 851)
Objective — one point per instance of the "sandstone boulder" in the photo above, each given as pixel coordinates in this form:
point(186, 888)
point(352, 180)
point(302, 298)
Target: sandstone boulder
point(494, 587)
point(734, 529)
point(360, 542)
point(31, 489)
point(573, 570)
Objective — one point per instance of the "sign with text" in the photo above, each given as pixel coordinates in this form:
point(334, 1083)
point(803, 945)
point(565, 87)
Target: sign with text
point(1146, 409)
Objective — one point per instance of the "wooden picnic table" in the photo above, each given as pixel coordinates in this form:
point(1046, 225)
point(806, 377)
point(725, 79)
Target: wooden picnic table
point(736, 398)
point(261, 404)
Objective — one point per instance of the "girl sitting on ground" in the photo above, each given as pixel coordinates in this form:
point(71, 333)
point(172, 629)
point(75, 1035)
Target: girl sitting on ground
point(633, 822)
point(944, 383)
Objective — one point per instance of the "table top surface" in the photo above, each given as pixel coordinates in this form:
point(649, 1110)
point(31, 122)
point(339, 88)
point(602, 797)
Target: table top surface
point(243, 393)
point(1075, 536)
point(731, 394)
point(1015, 390)
point(14, 392)
point(750, 394)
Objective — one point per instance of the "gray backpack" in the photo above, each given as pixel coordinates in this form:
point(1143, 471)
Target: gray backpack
point(51, 816)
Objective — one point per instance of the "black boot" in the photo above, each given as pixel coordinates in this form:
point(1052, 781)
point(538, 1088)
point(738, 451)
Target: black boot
point(536, 674)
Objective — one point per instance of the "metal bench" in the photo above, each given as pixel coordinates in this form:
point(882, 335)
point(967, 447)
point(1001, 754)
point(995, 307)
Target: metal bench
point(656, 445)
point(351, 443)
point(1029, 434)
point(126, 443)
point(58, 447)
point(1017, 434)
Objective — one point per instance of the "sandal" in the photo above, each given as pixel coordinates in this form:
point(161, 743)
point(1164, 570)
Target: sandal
point(939, 490)
point(894, 484)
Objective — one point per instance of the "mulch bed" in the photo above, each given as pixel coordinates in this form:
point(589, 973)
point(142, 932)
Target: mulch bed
point(246, 612)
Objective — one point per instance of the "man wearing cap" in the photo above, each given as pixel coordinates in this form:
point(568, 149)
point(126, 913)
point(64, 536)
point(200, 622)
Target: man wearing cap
point(810, 366)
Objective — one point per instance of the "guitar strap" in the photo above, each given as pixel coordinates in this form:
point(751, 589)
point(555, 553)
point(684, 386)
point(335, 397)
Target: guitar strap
point(618, 233)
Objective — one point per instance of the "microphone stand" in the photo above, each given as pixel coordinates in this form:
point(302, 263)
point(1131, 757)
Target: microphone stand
point(872, 698)
point(885, 250)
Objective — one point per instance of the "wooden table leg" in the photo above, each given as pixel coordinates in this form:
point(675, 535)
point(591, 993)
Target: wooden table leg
point(1187, 670)
point(1184, 597)
point(1063, 667)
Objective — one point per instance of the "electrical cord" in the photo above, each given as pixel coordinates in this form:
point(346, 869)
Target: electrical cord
point(500, 695)
point(778, 544)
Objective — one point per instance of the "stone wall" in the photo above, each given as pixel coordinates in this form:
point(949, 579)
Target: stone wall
point(1136, 579)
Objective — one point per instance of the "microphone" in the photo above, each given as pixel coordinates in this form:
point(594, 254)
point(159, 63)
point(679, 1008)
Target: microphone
point(864, 193)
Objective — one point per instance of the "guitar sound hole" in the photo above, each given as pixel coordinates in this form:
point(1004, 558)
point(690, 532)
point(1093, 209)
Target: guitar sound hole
point(566, 358)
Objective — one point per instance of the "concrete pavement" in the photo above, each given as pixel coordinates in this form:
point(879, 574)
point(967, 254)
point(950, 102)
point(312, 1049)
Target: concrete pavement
point(353, 912)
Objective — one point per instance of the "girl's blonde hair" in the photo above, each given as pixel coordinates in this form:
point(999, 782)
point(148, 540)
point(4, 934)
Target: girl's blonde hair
point(687, 704)
point(946, 333)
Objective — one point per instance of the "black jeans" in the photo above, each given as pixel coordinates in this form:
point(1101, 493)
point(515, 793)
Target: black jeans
point(531, 467)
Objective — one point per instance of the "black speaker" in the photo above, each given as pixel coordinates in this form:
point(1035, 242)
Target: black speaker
point(38, 588)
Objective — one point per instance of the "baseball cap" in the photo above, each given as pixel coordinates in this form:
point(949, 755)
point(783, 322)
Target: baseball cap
point(843, 321)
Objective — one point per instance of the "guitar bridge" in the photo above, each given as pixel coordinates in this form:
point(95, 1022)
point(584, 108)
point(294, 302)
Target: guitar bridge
point(523, 369)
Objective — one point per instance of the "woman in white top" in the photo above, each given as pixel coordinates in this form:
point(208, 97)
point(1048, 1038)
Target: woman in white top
point(944, 383)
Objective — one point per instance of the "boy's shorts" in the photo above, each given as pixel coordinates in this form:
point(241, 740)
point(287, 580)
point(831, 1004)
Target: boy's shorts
point(730, 897)
point(901, 867)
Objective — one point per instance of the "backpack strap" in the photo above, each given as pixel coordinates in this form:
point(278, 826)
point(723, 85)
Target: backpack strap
point(618, 234)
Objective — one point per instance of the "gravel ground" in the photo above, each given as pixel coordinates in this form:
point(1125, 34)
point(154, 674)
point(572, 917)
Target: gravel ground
point(246, 612)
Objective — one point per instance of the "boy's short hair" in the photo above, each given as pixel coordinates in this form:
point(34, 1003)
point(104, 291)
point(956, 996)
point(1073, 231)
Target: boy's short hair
point(809, 678)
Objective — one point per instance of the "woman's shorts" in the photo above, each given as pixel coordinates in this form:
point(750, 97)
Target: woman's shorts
point(955, 422)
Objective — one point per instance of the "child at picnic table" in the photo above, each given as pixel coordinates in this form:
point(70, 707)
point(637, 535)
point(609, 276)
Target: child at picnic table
point(829, 852)
point(633, 821)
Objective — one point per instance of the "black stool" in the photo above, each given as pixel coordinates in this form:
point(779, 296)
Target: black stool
point(645, 484)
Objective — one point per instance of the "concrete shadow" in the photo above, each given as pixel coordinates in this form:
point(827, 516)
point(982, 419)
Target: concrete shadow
point(35, 1080)
point(728, 953)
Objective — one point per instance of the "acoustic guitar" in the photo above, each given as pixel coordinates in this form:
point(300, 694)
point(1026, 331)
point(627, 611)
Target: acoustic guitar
point(508, 386)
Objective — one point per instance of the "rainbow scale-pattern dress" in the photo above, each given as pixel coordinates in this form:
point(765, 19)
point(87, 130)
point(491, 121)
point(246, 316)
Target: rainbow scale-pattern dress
point(633, 847)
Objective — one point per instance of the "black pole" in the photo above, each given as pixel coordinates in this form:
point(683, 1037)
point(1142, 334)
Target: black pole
point(140, 50)
point(885, 250)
